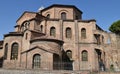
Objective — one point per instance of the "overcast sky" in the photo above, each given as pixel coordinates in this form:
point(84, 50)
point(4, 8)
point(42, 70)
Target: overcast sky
point(105, 12)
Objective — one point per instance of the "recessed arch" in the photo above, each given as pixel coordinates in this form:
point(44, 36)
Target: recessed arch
point(53, 31)
point(36, 61)
point(83, 33)
point(41, 28)
point(84, 55)
point(69, 54)
point(14, 51)
point(68, 32)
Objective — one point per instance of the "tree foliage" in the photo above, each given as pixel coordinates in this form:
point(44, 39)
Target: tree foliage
point(115, 27)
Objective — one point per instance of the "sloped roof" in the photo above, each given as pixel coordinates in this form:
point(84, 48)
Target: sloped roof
point(24, 13)
point(41, 48)
point(60, 5)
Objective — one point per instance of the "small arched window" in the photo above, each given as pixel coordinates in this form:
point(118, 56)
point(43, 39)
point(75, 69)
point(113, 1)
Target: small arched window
point(63, 15)
point(68, 33)
point(41, 28)
point(26, 24)
point(83, 33)
point(6, 51)
point(84, 55)
point(26, 36)
point(52, 31)
point(14, 51)
point(36, 61)
point(48, 16)
point(69, 53)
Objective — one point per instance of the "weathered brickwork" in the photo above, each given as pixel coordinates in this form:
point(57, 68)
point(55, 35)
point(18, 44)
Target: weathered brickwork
point(57, 38)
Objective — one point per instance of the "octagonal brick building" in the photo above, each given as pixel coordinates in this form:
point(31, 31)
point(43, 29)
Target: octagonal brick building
point(56, 38)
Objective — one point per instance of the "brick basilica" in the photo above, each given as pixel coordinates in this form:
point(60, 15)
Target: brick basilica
point(57, 38)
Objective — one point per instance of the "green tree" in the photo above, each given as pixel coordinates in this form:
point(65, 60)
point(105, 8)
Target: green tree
point(115, 27)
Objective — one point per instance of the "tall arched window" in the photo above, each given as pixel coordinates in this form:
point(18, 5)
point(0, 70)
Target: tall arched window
point(48, 16)
point(69, 53)
point(83, 33)
point(14, 51)
point(41, 28)
point(36, 61)
point(68, 33)
point(63, 15)
point(52, 31)
point(6, 51)
point(84, 55)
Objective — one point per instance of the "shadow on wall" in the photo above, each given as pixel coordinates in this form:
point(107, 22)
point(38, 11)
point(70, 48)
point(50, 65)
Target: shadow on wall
point(1, 62)
point(66, 62)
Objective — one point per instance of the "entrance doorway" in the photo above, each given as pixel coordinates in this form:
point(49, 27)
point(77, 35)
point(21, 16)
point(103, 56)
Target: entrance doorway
point(67, 63)
point(100, 59)
point(56, 62)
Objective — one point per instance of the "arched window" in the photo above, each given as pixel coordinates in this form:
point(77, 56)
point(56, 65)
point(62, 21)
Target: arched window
point(63, 15)
point(26, 24)
point(84, 55)
point(26, 36)
point(48, 16)
point(36, 61)
point(68, 33)
point(52, 31)
point(41, 28)
point(14, 51)
point(102, 39)
point(83, 33)
point(69, 53)
point(6, 51)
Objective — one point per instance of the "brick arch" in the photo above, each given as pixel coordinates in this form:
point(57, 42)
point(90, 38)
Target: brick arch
point(47, 13)
point(63, 11)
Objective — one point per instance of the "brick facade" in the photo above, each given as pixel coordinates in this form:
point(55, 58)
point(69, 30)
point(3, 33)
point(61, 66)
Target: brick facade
point(86, 41)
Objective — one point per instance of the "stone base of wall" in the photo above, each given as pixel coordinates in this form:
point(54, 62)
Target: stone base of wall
point(35, 71)
point(11, 71)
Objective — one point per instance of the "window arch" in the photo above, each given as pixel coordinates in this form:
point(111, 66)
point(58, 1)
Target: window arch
point(25, 25)
point(48, 16)
point(84, 55)
point(63, 15)
point(26, 36)
point(52, 31)
point(68, 33)
point(6, 51)
point(69, 53)
point(41, 28)
point(83, 33)
point(14, 51)
point(36, 61)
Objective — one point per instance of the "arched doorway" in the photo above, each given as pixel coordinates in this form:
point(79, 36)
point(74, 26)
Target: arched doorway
point(67, 62)
point(100, 59)
point(36, 61)
point(56, 62)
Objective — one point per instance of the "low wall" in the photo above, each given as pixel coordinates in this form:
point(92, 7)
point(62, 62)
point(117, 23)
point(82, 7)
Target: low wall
point(8, 71)
point(16, 71)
